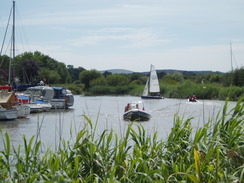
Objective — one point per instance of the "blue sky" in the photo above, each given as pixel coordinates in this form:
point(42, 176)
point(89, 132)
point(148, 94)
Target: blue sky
point(131, 34)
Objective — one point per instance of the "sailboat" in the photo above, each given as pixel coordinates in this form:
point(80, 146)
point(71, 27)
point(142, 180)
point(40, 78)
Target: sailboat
point(9, 107)
point(152, 89)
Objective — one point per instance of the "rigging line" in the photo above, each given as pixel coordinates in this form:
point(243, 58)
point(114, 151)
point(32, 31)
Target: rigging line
point(5, 53)
point(6, 31)
point(20, 31)
point(234, 58)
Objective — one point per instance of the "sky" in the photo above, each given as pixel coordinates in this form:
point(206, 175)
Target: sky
point(189, 35)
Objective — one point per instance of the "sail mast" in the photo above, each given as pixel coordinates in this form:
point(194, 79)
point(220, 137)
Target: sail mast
point(231, 57)
point(12, 49)
point(13, 34)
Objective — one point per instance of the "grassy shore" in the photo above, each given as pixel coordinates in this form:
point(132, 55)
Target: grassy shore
point(169, 89)
point(214, 153)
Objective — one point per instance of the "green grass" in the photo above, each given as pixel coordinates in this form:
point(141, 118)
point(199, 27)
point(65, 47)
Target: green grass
point(214, 153)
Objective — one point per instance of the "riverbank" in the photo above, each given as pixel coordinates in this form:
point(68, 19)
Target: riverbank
point(169, 89)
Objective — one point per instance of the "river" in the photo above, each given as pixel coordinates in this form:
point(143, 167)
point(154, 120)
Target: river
point(107, 113)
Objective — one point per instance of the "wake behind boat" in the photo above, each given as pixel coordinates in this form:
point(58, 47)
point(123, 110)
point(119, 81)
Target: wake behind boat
point(133, 113)
point(152, 89)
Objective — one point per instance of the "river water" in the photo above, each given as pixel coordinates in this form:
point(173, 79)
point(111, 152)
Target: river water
point(107, 113)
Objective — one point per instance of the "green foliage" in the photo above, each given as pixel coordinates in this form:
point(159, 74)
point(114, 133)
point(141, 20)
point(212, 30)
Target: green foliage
point(75, 88)
point(52, 77)
point(176, 76)
point(87, 76)
point(100, 81)
point(233, 93)
point(74, 72)
point(110, 90)
point(29, 71)
point(238, 78)
point(208, 78)
point(235, 77)
point(32, 67)
point(213, 153)
point(117, 80)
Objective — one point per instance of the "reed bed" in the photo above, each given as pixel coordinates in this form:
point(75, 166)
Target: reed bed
point(214, 153)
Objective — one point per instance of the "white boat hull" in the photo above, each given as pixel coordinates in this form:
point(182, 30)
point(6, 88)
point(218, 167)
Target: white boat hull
point(8, 114)
point(23, 110)
point(36, 107)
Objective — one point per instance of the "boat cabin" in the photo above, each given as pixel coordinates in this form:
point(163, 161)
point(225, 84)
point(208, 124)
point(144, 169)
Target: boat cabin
point(40, 92)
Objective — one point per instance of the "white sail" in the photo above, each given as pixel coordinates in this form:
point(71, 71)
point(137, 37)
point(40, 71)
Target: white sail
point(154, 84)
point(145, 91)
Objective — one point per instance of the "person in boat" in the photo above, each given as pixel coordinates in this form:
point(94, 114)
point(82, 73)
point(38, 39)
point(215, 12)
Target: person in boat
point(127, 107)
point(193, 98)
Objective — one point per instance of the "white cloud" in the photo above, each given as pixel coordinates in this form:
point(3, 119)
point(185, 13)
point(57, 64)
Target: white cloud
point(170, 34)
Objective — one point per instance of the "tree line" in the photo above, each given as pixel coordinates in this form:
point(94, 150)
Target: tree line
point(31, 68)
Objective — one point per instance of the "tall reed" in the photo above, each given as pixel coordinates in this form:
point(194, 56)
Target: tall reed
point(215, 155)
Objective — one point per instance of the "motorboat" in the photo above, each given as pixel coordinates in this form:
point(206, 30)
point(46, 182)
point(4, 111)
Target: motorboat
point(62, 98)
point(57, 97)
point(134, 113)
point(152, 89)
point(34, 105)
point(192, 99)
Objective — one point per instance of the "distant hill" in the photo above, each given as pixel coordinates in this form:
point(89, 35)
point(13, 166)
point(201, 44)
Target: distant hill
point(167, 71)
point(118, 71)
point(184, 72)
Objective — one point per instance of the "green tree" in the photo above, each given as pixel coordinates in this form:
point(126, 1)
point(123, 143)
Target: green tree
point(63, 72)
point(176, 76)
point(106, 74)
point(52, 77)
point(238, 77)
point(87, 76)
point(118, 80)
point(74, 72)
point(100, 81)
point(28, 71)
point(161, 75)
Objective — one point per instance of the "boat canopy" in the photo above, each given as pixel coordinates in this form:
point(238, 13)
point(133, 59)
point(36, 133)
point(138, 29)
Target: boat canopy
point(59, 92)
point(46, 93)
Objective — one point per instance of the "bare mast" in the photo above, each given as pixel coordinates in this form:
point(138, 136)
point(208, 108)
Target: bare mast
point(12, 49)
point(231, 57)
point(13, 40)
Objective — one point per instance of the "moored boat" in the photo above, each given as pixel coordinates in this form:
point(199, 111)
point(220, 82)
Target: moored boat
point(23, 110)
point(8, 114)
point(62, 98)
point(34, 105)
point(57, 97)
point(7, 101)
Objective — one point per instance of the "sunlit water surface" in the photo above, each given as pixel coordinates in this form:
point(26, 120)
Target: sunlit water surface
point(106, 113)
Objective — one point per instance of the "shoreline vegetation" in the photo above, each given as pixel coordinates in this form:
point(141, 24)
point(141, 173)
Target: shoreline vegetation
point(212, 153)
point(168, 90)
point(32, 67)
